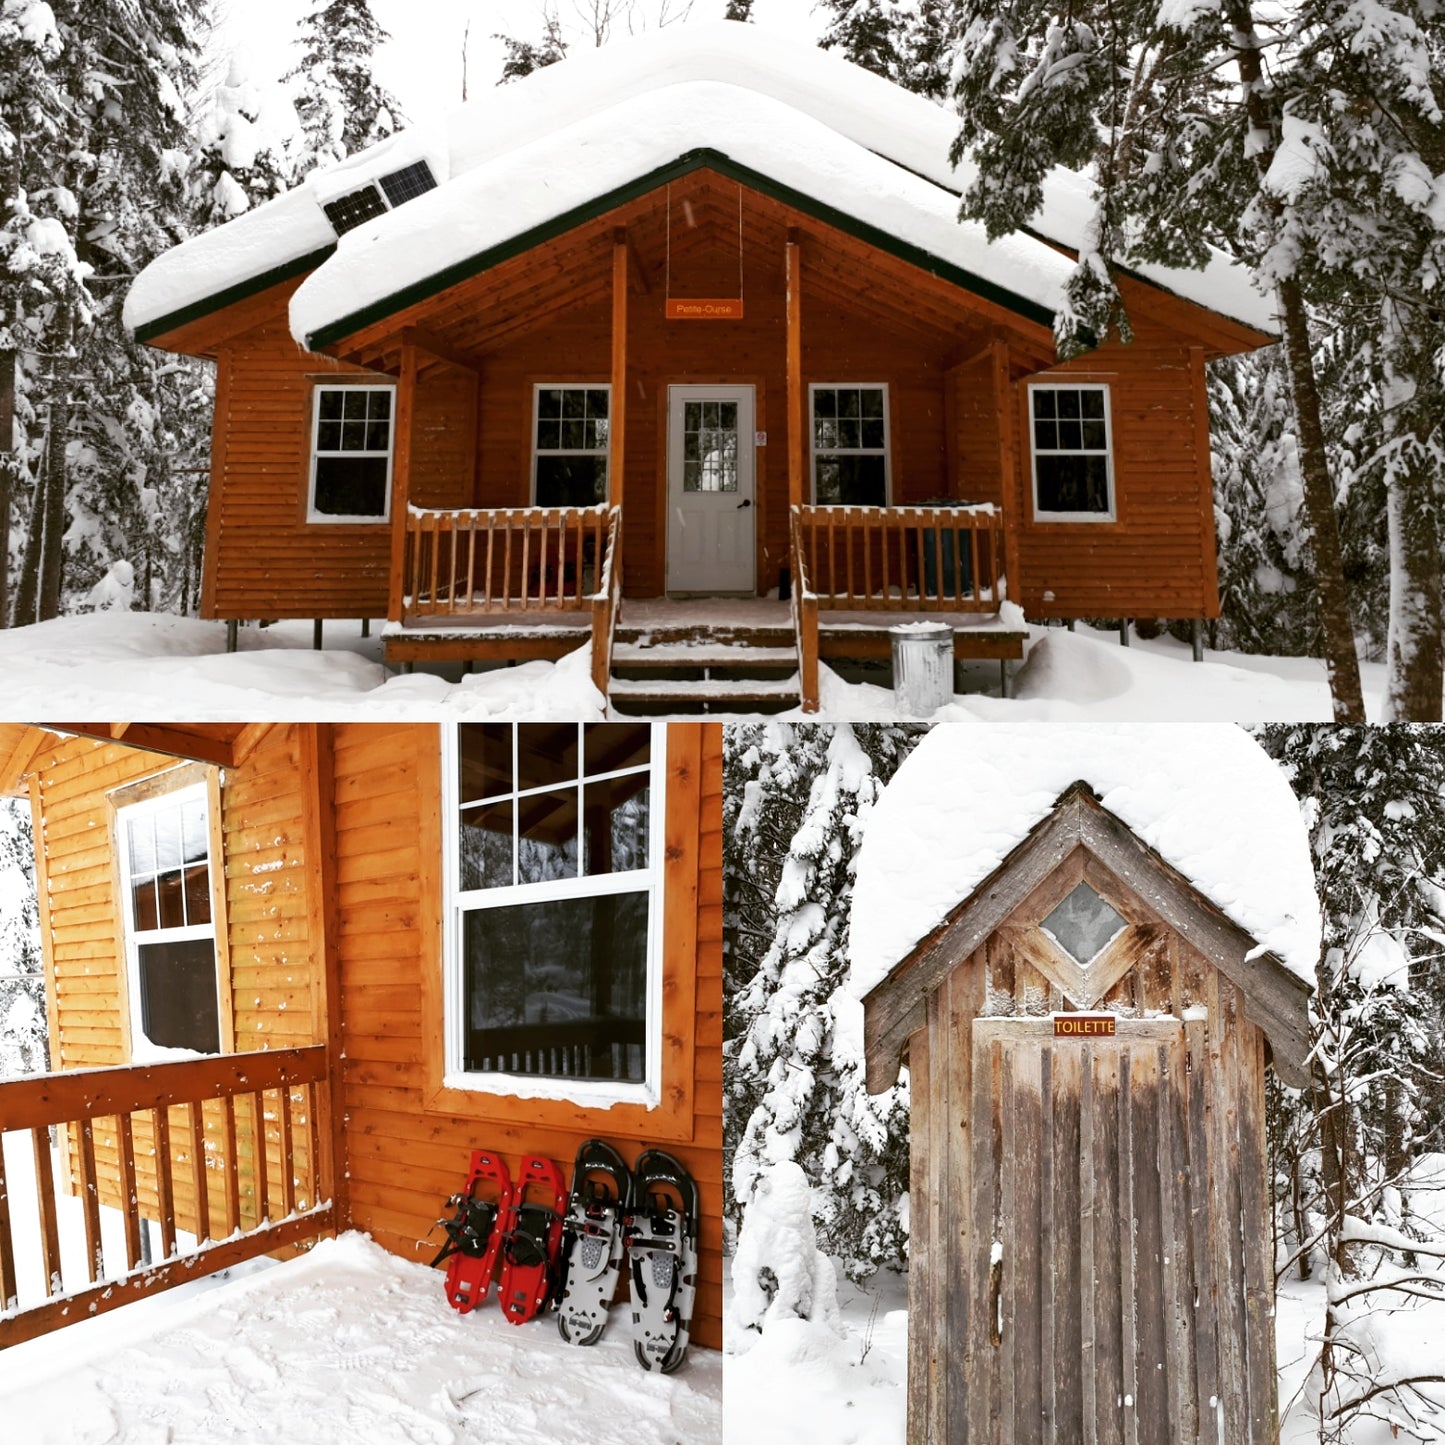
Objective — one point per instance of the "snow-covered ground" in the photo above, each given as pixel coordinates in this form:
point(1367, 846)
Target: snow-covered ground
point(126, 664)
point(347, 1345)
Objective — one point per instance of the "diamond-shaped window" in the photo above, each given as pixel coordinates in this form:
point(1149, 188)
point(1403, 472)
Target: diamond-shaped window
point(1083, 924)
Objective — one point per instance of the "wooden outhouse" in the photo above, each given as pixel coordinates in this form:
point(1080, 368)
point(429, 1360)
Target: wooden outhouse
point(692, 316)
point(296, 972)
point(1091, 1250)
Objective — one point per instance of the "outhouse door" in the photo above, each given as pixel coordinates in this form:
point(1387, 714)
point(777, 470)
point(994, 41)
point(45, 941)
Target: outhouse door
point(1093, 1326)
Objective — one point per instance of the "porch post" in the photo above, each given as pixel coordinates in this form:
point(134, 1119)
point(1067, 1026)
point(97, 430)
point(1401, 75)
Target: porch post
point(617, 411)
point(1010, 465)
point(401, 478)
point(795, 369)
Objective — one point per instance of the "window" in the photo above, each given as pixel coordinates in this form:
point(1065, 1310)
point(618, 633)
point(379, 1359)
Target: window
point(850, 445)
point(569, 458)
point(351, 454)
point(554, 912)
point(164, 845)
point(1072, 470)
point(709, 446)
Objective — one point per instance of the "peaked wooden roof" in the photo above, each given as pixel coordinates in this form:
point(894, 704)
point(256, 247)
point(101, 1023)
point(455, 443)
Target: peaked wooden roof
point(1275, 998)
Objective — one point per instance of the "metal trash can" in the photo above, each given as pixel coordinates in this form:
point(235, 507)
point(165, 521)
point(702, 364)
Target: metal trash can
point(922, 667)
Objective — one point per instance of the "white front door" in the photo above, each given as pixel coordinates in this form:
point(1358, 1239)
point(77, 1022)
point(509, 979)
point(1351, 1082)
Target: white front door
point(710, 508)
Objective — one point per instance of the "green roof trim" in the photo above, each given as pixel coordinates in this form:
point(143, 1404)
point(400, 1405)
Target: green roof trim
point(695, 160)
point(239, 292)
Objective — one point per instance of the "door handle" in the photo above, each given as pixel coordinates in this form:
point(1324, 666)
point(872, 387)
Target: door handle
point(741, 505)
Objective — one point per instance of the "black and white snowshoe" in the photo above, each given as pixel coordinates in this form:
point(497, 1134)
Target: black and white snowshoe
point(662, 1241)
point(592, 1241)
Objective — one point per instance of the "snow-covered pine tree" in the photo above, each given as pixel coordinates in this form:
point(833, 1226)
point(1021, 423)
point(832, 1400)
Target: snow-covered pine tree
point(1372, 798)
point(525, 56)
point(341, 105)
point(1265, 585)
point(23, 1041)
point(1132, 93)
point(867, 32)
point(738, 10)
point(1354, 181)
point(795, 1055)
point(238, 149)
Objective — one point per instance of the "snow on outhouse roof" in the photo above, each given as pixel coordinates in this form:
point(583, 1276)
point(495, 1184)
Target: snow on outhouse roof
point(1206, 798)
point(535, 151)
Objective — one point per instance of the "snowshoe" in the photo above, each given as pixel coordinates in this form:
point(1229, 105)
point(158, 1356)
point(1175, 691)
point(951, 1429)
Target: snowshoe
point(592, 1242)
point(662, 1241)
point(534, 1240)
point(475, 1232)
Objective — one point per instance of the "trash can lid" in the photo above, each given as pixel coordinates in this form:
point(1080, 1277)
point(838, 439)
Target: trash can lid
point(921, 631)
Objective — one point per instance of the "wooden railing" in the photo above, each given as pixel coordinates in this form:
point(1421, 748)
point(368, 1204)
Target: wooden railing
point(907, 559)
point(165, 1144)
point(515, 559)
point(606, 603)
point(805, 617)
point(600, 1048)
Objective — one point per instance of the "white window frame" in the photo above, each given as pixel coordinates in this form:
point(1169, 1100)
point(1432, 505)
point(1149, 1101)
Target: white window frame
point(1112, 513)
point(814, 452)
point(136, 938)
point(457, 902)
point(335, 518)
point(538, 387)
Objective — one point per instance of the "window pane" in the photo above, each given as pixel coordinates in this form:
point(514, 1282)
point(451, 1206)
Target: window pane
point(574, 403)
point(597, 404)
point(379, 405)
point(167, 824)
point(376, 436)
point(142, 845)
point(579, 481)
point(330, 405)
point(1044, 402)
point(873, 403)
point(198, 894)
point(1046, 435)
point(825, 402)
point(351, 486)
point(610, 747)
point(353, 406)
point(873, 432)
point(615, 816)
point(1071, 436)
point(1076, 483)
point(850, 433)
point(1068, 403)
point(484, 760)
point(1094, 438)
point(485, 846)
point(1083, 923)
point(547, 836)
point(549, 403)
point(178, 995)
point(546, 754)
point(143, 899)
point(857, 481)
point(328, 436)
point(557, 988)
point(574, 435)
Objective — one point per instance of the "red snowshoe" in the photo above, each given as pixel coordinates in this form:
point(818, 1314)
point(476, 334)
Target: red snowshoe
point(476, 1231)
point(532, 1244)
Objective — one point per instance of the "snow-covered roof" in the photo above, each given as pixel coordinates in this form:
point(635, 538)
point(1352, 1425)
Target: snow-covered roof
point(537, 150)
point(1206, 798)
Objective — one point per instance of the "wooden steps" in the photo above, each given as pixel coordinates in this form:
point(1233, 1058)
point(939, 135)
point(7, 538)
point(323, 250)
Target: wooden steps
point(671, 669)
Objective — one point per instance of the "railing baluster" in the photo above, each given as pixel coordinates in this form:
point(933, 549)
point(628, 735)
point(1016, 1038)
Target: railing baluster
point(313, 1148)
point(49, 1231)
point(129, 1194)
point(506, 560)
point(258, 1155)
point(452, 570)
point(198, 1169)
point(90, 1201)
point(165, 1183)
point(436, 558)
point(233, 1168)
point(9, 1289)
point(526, 558)
point(288, 1151)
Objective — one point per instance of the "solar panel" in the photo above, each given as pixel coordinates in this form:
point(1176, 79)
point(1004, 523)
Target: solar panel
point(347, 212)
point(409, 183)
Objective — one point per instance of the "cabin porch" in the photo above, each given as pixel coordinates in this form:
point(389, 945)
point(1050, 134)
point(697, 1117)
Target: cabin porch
point(524, 583)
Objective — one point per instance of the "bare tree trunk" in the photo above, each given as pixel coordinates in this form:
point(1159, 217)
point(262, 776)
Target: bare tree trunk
point(52, 551)
point(27, 585)
point(1416, 666)
point(11, 469)
point(1342, 664)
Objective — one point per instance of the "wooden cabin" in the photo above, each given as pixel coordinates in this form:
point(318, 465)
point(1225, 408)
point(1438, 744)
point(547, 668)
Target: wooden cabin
point(1091, 1249)
point(691, 317)
point(295, 973)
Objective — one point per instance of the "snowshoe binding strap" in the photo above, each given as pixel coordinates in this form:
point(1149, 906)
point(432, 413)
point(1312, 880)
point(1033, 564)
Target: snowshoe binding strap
point(475, 1231)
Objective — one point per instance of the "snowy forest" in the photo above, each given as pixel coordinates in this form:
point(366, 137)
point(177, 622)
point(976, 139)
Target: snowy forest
point(1303, 139)
point(1351, 1155)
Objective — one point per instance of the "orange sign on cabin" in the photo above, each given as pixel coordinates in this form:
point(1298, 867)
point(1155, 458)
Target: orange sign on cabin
point(1079, 1026)
point(704, 309)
